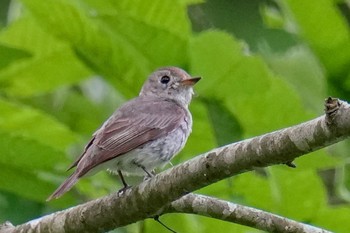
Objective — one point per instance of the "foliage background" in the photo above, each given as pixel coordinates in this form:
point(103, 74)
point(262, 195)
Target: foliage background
point(66, 65)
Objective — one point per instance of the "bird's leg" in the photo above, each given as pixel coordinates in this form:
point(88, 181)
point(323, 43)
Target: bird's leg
point(149, 174)
point(153, 173)
point(126, 186)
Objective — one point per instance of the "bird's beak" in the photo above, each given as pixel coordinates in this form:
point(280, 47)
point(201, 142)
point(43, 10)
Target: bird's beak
point(190, 81)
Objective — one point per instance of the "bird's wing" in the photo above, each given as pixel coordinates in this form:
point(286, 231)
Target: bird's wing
point(137, 122)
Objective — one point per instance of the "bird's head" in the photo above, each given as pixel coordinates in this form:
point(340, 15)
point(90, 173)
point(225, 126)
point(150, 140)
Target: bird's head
point(170, 83)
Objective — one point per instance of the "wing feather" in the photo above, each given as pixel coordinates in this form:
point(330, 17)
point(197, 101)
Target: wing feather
point(137, 122)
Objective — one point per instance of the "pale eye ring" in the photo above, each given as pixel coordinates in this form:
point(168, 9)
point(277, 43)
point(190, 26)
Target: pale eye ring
point(165, 79)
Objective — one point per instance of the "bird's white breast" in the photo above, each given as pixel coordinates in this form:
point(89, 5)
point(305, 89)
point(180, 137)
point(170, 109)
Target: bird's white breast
point(155, 153)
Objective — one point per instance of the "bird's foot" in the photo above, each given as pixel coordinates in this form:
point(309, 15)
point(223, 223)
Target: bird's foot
point(126, 186)
point(149, 175)
point(123, 190)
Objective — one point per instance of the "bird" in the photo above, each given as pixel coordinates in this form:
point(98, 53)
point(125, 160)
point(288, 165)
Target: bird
point(144, 133)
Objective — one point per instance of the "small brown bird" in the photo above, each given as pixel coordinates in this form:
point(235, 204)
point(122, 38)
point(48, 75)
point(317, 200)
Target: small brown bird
point(144, 133)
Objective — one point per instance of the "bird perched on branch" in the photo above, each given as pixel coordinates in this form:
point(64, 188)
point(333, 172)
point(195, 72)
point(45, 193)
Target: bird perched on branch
point(144, 133)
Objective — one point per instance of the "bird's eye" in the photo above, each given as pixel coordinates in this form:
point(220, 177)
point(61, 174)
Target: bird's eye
point(165, 79)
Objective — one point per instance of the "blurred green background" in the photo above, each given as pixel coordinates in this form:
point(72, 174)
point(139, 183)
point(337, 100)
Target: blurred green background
point(66, 65)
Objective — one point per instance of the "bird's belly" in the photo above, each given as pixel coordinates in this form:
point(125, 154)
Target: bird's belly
point(153, 154)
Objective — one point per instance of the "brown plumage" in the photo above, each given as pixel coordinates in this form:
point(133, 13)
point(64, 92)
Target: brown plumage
point(144, 133)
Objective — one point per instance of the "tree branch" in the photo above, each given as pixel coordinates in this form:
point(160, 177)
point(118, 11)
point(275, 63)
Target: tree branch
point(230, 212)
point(150, 196)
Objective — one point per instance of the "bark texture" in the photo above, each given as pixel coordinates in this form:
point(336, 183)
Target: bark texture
point(148, 198)
point(227, 211)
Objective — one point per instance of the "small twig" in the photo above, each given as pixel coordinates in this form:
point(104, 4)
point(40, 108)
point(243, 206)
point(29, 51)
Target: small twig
point(331, 107)
point(156, 218)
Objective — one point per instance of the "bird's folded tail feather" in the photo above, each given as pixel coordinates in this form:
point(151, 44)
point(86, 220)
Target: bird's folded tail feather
point(65, 186)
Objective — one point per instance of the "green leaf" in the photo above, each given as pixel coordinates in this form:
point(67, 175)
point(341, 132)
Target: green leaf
point(23, 182)
point(254, 190)
point(75, 111)
point(9, 55)
point(201, 224)
point(300, 67)
point(296, 190)
point(223, 189)
point(124, 42)
point(148, 12)
point(31, 123)
point(52, 65)
point(334, 218)
point(27, 154)
point(190, 2)
point(323, 27)
point(318, 160)
point(25, 167)
point(226, 127)
point(260, 100)
point(283, 191)
point(28, 184)
point(11, 203)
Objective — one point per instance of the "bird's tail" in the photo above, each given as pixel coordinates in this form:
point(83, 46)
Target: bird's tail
point(65, 186)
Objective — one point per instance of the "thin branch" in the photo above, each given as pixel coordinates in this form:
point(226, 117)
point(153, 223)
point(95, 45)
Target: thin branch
point(230, 212)
point(146, 199)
